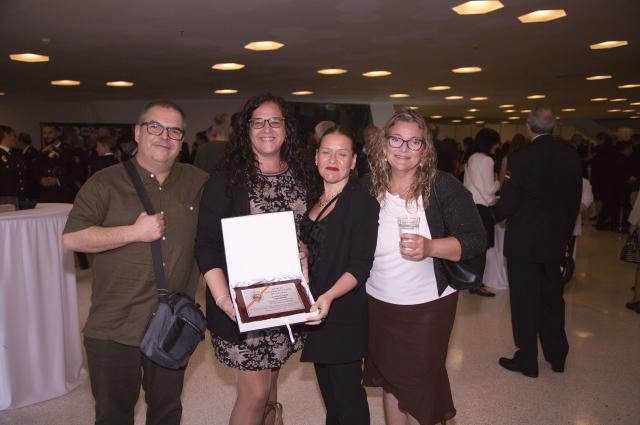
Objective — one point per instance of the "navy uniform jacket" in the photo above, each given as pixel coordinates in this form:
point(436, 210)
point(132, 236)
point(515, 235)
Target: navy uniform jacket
point(541, 200)
point(57, 160)
point(13, 179)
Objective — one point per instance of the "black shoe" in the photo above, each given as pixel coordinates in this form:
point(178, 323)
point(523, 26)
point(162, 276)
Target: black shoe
point(633, 305)
point(557, 368)
point(514, 366)
point(482, 292)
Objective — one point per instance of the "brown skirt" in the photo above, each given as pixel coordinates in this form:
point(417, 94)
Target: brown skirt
point(407, 355)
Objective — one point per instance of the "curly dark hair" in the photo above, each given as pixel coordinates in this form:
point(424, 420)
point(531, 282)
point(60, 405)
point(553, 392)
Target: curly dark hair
point(241, 166)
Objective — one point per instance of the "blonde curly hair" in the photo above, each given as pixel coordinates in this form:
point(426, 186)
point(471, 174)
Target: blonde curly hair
point(381, 170)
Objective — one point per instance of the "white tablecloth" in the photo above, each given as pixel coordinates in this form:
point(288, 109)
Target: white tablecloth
point(495, 272)
point(40, 354)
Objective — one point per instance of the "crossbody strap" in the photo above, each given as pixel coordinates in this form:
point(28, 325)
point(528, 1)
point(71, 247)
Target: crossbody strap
point(156, 248)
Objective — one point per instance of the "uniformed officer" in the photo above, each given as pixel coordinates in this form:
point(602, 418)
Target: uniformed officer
point(30, 158)
point(12, 174)
point(56, 174)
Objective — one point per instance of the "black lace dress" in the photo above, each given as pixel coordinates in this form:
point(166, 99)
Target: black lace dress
point(268, 348)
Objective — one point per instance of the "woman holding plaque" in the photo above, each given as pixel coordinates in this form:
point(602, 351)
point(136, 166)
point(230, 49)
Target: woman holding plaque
point(264, 171)
point(411, 305)
point(340, 231)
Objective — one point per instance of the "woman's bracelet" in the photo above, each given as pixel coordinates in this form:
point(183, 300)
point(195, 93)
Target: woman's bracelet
point(221, 297)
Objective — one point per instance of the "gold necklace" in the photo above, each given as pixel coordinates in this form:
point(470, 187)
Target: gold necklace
point(322, 203)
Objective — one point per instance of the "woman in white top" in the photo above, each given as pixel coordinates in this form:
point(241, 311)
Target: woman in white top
point(411, 305)
point(634, 225)
point(480, 179)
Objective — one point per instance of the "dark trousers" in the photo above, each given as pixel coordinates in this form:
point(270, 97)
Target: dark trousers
point(537, 309)
point(343, 394)
point(116, 372)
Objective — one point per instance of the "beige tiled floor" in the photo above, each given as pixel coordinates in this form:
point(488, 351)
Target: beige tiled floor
point(601, 385)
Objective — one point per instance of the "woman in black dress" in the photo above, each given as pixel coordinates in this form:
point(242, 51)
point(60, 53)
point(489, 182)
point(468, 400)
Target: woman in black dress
point(263, 172)
point(340, 231)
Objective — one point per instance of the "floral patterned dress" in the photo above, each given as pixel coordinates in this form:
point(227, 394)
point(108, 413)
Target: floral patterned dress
point(267, 348)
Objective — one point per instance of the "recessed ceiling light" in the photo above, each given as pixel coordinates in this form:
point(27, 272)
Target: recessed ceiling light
point(374, 74)
point(65, 83)
point(479, 98)
point(467, 70)
point(634, 103)
point(398, 95)
point(629, 86)
point(507, 105)
point(302, 93)
point(477, 7)
point(568, 109)
point(119, 83)
point(608, 45)
point(332, 71)
point(2, 93)
point(225, 91)
point(599, 99)
point(454, 97)
point(260, 46)
point(542, 16)
point(435, 117)
point(525, 111)
point(613, 110)
point(505, 122)
point(456, 120)
point(438, 88)
point(599, 77)
point(628, 110)
point(473, 110)
point(468, 117)
point(413, 108)
point(619, 99)
point(28, 57)
point(634, 117)
point(536, 96)
point(508, 111)
point(229, 66)
point(514, 118)
point(479, 122)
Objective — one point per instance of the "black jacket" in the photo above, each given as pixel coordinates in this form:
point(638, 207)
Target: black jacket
point(349, 246)
point(541, 200)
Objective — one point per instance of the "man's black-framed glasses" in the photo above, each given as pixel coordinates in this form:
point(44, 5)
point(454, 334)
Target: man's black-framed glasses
point(413, 143)
point(258, 123)
point(155, 128)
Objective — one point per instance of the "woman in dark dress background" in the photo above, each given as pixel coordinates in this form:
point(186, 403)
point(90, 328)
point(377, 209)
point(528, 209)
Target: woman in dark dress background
point(340, 231)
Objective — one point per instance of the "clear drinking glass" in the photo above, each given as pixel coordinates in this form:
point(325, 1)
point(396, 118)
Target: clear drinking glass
point(408, 225)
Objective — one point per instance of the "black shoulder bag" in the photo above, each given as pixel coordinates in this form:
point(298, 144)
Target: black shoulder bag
point(463, 274)
point(178, 325)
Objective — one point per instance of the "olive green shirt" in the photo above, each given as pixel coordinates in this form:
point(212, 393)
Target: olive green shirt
point(123, 290)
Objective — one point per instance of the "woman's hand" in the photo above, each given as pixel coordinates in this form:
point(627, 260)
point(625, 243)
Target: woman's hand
point(303, 253)
point(415, 247)
point(226, 305)
point(322, 305)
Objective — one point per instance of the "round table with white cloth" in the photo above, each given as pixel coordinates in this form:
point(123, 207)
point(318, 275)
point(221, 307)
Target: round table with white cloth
point(40, 351)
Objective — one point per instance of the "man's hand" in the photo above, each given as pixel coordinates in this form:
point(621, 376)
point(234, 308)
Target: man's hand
point(148, 228)
point(48, 181)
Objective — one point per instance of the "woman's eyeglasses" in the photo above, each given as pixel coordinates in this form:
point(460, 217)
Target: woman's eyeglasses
point(414, 143)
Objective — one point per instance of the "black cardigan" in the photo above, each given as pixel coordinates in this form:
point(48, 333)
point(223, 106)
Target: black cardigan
point(349, 246)
point(457, 209)
point(218, 202)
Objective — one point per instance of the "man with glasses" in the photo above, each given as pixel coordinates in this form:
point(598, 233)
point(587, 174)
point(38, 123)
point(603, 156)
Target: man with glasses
point(108, 219)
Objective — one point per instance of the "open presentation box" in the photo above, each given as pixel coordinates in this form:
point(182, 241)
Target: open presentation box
point(266, 282)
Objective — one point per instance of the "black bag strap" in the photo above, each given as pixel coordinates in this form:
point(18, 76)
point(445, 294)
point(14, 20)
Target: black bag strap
point(156, 248)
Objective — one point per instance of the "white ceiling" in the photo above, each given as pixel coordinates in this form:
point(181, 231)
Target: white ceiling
point(168, 47)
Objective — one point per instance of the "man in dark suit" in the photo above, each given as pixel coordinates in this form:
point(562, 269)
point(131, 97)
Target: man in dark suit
point(12, 175)
point(541, 200)
point(56, 168)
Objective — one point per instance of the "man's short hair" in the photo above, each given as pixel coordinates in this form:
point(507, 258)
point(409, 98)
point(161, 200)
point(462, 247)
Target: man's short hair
point(167, 104)
point(5, 130)
point(321, 127)
point(541, 120)
point(107, 141)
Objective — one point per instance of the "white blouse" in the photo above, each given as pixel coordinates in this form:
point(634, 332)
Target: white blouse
point(393, 278)
point(480, 179)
